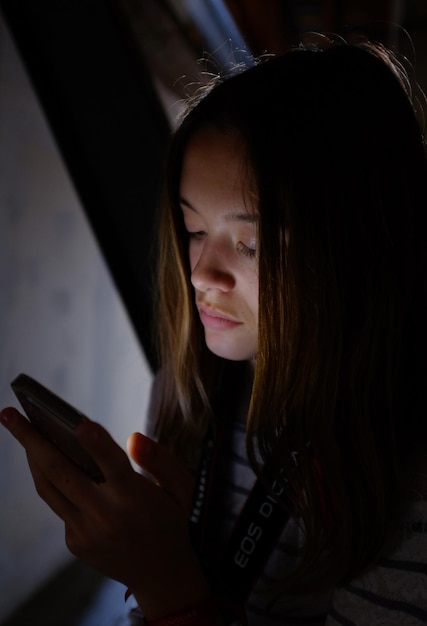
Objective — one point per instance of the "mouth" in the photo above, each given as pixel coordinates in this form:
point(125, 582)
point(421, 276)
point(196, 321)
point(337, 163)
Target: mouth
point(216, 320)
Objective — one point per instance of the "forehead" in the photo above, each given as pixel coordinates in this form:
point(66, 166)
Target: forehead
point(215, 166)
point(213, 148)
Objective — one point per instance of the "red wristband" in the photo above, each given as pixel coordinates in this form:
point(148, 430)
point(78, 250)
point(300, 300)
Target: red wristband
point(204, 614)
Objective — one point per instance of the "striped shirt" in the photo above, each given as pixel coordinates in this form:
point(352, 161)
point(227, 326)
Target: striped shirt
point(393, 593)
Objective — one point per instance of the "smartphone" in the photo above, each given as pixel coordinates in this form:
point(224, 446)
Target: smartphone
point(56, 420)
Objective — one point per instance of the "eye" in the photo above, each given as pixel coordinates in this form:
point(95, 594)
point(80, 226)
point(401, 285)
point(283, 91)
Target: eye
point(196, 234)
point(246, 250)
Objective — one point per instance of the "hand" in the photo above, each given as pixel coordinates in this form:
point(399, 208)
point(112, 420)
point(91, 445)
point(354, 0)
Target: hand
point(131, 528)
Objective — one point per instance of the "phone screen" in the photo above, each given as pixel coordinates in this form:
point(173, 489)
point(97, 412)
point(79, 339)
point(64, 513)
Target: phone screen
point(56, 420)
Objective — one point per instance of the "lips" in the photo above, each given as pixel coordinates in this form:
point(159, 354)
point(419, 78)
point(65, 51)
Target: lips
point(216, 320)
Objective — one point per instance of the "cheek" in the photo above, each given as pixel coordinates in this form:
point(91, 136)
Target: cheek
point(193, 254)
point(255, 306)
point(251, 290)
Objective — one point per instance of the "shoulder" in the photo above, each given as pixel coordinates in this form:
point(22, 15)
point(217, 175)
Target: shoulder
point(394, 592)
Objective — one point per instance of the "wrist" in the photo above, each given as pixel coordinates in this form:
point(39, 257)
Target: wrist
point(172, 590)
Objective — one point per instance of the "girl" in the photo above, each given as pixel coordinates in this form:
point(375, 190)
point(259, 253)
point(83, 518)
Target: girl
point(287, 477)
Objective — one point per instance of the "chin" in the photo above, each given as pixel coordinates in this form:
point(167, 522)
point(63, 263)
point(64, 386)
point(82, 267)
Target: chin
point(231, 353)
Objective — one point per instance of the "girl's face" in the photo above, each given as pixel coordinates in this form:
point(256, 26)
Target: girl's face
point(220, 218)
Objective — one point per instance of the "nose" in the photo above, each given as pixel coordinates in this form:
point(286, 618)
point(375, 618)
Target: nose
point(211, 271)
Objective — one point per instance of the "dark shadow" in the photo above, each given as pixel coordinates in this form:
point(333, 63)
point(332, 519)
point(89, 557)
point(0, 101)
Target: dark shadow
point(62, 601)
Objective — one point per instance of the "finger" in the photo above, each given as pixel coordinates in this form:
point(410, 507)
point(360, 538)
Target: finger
point(52, 466)
point(17, 425)
point(24, 432)
point(53, 497)
point(74, 519)
point(164, 466)
point(111, 458)
point(138, 447)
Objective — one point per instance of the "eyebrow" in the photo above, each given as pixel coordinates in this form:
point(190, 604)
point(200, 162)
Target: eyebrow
point(244, 216)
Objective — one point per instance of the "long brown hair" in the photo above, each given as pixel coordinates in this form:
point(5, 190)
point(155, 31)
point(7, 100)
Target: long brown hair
point(337, 154)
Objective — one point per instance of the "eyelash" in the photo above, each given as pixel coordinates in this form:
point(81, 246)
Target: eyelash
point(241, 247)
point(249, 252)
point(196, 235)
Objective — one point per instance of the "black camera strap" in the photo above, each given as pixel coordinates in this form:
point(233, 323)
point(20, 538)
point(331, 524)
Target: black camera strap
point(254, 535)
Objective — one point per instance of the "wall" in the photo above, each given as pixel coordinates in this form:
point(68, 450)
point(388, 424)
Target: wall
point(61, 321)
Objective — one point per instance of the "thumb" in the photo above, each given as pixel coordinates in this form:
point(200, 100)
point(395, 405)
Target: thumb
point(162, 464)
point(138, 447)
